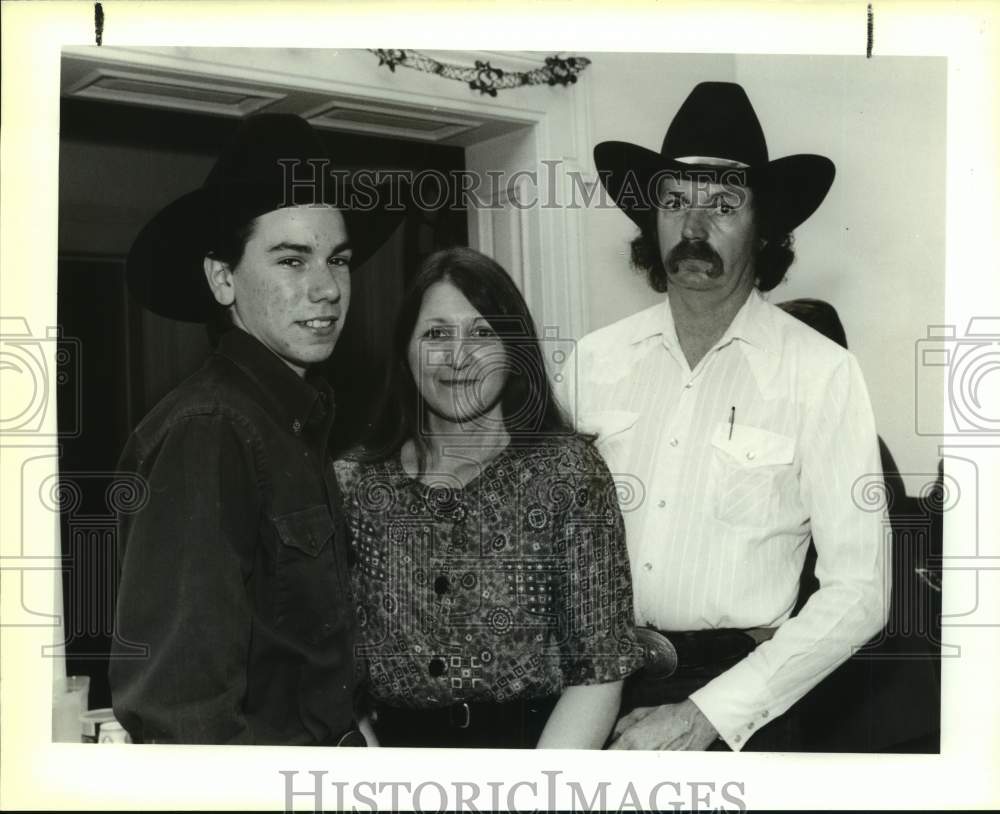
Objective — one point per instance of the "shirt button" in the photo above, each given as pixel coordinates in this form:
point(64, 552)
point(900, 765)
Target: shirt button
point(674, 442)
point(661, 503)
point(751, 455)
point(737, 739)
point(687, 386)
point(648, 566)
point(296, 426)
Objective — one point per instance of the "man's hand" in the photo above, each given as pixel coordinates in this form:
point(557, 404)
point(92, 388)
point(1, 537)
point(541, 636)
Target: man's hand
point(671, 727)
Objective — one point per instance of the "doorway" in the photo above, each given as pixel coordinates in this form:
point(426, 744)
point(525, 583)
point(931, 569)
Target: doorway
point(119, 165)
point(123, 105)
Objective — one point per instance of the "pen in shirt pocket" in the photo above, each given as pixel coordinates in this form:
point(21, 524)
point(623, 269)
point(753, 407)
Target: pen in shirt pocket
point(732, 420)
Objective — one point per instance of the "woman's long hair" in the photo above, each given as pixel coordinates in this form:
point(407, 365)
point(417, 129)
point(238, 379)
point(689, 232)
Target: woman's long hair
point(529, 407)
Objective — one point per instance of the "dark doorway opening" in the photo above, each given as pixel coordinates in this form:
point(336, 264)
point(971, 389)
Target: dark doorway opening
point(118, 165)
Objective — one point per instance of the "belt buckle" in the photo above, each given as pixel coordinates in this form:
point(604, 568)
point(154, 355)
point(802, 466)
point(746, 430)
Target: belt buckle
point(352, 737)
point(660, 653)
point(461, 708)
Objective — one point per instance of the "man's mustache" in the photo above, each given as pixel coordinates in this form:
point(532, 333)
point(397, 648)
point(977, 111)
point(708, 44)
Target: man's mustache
point(694, 250)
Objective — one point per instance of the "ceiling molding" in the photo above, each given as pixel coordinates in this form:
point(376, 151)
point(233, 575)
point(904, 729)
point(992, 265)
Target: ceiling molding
point(388, 120)
point(351, 73)
point(161, 90)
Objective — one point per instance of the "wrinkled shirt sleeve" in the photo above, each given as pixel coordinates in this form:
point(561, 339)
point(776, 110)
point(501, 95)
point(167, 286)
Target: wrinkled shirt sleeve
point(184, 561)
point(851, 533)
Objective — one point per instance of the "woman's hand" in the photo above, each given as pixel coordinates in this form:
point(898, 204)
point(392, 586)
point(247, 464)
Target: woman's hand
point(583, 717)
point(366, 729)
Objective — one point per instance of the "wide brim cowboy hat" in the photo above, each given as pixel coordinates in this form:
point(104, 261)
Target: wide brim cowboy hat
point(266, 166)
point(716, 134)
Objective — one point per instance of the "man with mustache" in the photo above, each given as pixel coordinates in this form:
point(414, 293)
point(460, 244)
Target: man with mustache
point(233, 576)
point(747, 432)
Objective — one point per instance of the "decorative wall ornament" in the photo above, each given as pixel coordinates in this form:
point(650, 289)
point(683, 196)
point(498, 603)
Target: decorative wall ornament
point(483, 76)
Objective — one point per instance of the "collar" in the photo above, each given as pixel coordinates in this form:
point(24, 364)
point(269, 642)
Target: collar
point(302, 404)
point(753, 327)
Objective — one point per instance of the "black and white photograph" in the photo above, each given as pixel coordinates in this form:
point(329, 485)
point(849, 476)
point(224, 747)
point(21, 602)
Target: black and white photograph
point(579, 399)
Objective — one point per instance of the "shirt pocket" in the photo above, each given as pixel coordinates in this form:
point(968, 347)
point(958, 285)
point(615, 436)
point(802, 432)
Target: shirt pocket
point(311, 583)
point(751, 468)
point(615, 430)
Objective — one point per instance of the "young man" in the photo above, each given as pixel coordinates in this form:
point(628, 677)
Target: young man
point(748, 431)
point(234, 575)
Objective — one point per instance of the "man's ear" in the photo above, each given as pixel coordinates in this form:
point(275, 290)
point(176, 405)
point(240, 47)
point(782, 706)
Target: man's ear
point(220, 280)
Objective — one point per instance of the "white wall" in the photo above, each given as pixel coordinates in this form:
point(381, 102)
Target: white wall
point(875, 249)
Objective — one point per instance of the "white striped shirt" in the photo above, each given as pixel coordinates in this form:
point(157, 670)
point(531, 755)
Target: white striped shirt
point(718, 522)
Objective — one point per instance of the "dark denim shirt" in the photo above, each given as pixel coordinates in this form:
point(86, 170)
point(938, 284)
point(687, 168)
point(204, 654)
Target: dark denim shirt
point(234, 574)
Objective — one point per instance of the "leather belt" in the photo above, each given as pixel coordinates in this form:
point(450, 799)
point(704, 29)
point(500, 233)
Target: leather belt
point(463, 714)
point(670, 652)
point(468, 719)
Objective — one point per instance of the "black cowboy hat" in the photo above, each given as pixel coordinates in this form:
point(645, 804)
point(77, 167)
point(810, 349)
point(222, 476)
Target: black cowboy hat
point(716, 134)
point(164, 268)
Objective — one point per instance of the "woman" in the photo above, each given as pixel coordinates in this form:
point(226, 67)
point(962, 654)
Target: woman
point(491, 576)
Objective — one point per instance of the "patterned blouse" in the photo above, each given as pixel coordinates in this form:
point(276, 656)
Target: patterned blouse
point(515, 585)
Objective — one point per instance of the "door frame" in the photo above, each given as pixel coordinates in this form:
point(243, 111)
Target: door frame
point(543, 129)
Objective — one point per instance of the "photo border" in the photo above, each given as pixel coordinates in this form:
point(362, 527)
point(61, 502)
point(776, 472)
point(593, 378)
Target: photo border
point(38, 774)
